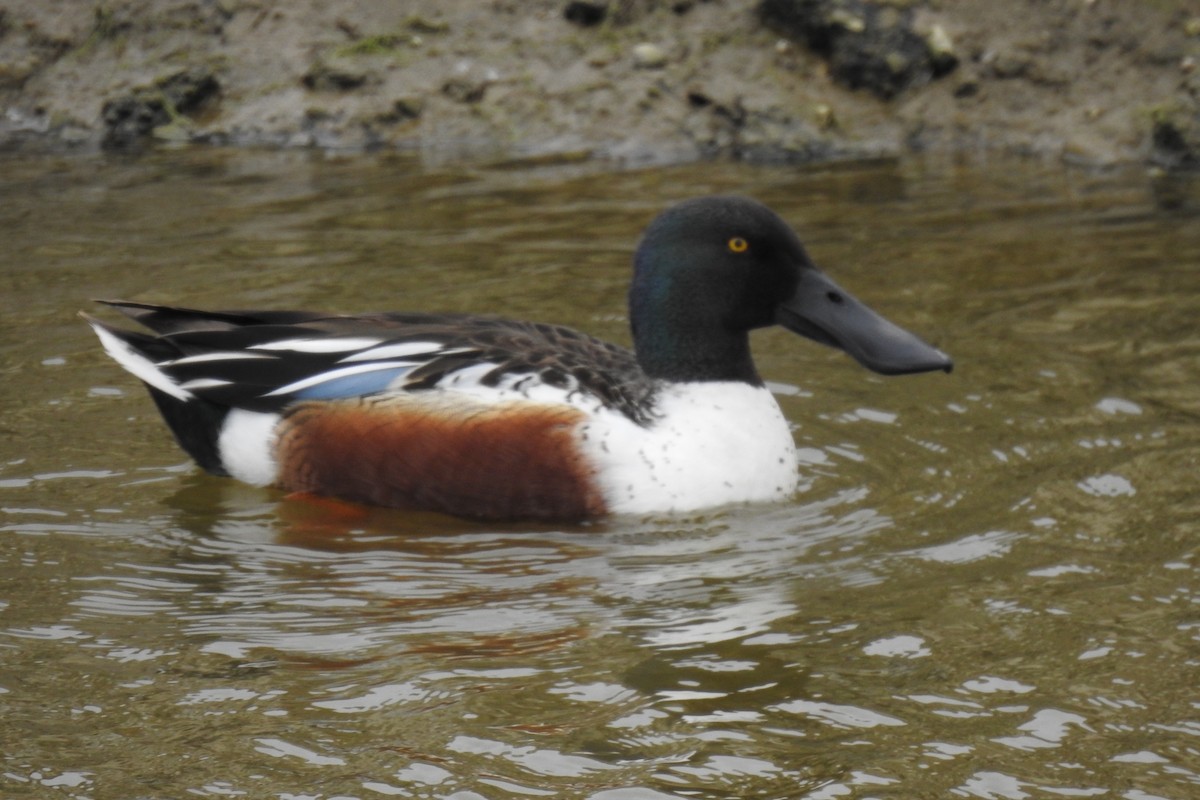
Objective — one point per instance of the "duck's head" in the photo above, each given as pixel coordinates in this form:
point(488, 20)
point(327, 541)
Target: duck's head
point(709, 270)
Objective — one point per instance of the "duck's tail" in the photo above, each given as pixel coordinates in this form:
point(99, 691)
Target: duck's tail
point(195, 422)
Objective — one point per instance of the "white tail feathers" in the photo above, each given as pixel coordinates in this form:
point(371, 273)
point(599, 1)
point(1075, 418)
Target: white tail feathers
point(137, 364)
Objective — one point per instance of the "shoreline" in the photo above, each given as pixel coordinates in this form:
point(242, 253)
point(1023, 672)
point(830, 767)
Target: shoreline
point(1093, 82)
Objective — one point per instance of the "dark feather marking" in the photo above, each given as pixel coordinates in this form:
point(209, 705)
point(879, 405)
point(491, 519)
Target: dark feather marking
point(196, 426)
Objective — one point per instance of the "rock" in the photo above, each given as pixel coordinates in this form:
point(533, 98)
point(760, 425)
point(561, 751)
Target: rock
point(649, 56)
point(585, 14)
point(334, 76)
point(189, 90)
point(130, 119)
point(1006, 65)
point(406, 108)
point(1175, 139)
point(967, 88)
point(868, 45)
point(175, 132)
point(942, 55)
point(462, 90)
point(15, 70)
point(127, 120)
point(824, 117)
point(469, 82)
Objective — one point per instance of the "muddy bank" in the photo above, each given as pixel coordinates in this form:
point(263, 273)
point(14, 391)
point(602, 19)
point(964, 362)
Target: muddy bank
point(1096, 81)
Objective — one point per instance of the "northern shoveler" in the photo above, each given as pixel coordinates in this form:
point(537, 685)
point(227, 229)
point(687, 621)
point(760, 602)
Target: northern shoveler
point(496, 419)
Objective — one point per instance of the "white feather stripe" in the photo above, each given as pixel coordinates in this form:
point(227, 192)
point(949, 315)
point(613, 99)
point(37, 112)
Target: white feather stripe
point(229, 355)
point(329, 345)
point(137, 364)
point(396, 350)
point(333, 374)
point(203, 383)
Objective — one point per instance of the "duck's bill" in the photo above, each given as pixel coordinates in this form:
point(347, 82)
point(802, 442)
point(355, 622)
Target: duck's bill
point(824, 312)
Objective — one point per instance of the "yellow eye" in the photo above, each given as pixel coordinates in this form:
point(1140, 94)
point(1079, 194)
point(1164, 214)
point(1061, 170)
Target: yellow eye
point(738, 245)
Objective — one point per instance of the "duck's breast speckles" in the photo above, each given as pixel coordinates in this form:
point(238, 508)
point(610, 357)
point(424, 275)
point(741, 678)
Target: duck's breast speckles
point(712, 443)
point(444, 452)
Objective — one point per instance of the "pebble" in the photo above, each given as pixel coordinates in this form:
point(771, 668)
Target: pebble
point(649, 56)
point(940, 43)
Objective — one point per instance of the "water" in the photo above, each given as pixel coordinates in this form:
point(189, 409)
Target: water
point(986, 588)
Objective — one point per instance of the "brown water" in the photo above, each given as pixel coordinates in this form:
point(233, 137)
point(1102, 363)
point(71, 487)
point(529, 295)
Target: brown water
point(987, 587)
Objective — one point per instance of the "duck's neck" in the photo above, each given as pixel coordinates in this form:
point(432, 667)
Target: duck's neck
point(684, 331)
point(685, 355)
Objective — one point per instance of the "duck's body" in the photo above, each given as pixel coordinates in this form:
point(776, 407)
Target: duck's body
point(496, 419)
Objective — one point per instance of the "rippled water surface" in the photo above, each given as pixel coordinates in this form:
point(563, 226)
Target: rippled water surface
point(986, 588)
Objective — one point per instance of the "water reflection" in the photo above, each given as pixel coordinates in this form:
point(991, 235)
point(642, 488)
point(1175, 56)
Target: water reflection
point(985, 587)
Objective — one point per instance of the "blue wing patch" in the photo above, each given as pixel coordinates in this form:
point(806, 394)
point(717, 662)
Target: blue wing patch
point(352, 385)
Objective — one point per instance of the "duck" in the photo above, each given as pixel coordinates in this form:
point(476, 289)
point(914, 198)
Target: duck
point(493, 419)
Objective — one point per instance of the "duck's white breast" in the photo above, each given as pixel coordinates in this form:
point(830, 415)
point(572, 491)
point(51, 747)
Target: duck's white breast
point(712, 443)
